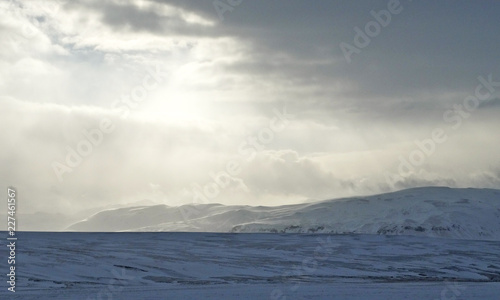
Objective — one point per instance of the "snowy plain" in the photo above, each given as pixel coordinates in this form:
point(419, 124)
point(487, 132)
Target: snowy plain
point(170, 265)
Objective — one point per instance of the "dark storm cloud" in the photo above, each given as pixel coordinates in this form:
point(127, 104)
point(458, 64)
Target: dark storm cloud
point(429, 49)
point(127, 16)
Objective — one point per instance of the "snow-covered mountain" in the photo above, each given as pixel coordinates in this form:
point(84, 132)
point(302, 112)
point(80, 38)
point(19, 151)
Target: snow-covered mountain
point(428, 211)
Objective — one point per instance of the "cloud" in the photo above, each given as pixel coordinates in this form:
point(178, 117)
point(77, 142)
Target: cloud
point(490, 104)
point(285, 173)
point(63, 67)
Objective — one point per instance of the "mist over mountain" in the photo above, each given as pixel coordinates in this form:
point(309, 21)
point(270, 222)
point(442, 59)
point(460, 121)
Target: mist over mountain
point(428, 211)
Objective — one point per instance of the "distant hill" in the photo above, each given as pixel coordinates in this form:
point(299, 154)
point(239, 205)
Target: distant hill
point(428, 211)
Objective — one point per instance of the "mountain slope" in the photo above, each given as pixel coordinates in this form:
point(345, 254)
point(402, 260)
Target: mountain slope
point(429, 211)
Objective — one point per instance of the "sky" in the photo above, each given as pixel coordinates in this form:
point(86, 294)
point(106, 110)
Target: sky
point(106, 103)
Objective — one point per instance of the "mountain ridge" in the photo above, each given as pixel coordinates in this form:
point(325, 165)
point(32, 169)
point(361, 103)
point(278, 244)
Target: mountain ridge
point(466, 213)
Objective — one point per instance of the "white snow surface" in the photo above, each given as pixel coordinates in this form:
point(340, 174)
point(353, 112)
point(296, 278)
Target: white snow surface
point(167, 265)
point(429, 211)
